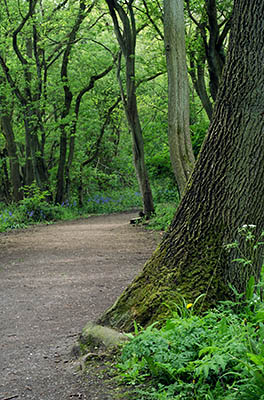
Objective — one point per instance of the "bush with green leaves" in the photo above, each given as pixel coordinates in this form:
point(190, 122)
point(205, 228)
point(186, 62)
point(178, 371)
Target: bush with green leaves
point(10, 218)
point(164, 213)
point(218, 356)
point(35, 206)
point(215, 356)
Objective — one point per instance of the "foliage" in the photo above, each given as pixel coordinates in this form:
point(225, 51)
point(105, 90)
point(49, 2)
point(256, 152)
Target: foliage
point(219, 356)
point(215, 356)
point(163, 216)
point(199, 124)
point(104, 203)
point(36, 209)
point(35, 205)
point(33, 94)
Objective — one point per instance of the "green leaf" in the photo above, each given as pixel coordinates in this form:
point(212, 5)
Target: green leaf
point(257, 359)
point(250, 288)
point(208, 350)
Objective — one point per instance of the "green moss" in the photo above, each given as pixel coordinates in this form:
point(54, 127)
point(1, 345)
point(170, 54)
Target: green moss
point(168, 276)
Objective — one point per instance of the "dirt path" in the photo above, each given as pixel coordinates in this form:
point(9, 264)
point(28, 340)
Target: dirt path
point(53, 279)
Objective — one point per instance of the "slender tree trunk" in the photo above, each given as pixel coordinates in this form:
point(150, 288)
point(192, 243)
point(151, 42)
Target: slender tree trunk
point(60, 179)
point(181, 153)
point(131, 109)
point(197, 73)
point(225, 192)
point(17, 193)
point(28, 171)
point(5, 194)
point(127, 40)
point(60, 189)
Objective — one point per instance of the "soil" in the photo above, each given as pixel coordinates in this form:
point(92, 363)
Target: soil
point(53, 279)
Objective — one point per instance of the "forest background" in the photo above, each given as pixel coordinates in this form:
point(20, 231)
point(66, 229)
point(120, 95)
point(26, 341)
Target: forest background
point(65, 143)
point(86, 106)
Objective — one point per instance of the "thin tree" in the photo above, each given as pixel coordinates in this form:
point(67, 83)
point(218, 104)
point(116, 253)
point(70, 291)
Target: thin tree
point(224, 193)
point(126, 36)
point(207, 50)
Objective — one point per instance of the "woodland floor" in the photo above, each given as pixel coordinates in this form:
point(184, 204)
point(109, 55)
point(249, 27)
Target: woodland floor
point(53, 279)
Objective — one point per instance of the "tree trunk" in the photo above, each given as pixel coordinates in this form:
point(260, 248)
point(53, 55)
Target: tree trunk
point(5, 194)
point(7, 128)
point(36, 169)
point(197, 73)
point(60, 178)
point(181, 153)
point(225, 192)
point(17, 193)
point(127, 40)
point(130, 105)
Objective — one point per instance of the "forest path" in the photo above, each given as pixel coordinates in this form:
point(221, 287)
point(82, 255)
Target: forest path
point(53, 279)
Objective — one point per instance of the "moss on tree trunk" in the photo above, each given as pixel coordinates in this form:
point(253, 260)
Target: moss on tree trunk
point(225, 192)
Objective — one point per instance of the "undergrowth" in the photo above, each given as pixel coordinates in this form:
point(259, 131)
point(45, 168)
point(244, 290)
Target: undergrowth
point(36, 207)
point(215, 356)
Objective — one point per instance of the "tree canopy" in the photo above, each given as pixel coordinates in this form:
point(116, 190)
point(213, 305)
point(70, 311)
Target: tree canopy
point(63, 124)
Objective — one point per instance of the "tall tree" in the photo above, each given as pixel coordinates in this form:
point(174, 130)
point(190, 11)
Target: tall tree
point(224, 193)
point(126, 36)
point(212, 21)
point(6, 126)
point(181, 153)
point(28, 91)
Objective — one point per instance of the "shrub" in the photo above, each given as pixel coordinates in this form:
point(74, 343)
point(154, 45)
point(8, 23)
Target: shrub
point(218, 356)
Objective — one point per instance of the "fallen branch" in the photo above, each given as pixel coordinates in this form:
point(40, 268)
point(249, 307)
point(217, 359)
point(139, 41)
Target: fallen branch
point(11, 397)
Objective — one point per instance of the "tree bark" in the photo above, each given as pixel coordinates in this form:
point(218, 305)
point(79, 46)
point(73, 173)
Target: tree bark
point(127, 40)
point(7, 129)
point(5, 194)
point(197, 73)
point(35, 168)
point(60, 184)
point(16, 183)
point(225, 192)
point(181, 153)
point(212, 32)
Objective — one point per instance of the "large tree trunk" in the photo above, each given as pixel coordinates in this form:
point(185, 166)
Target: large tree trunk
point(181, 153)
point(225, 192)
